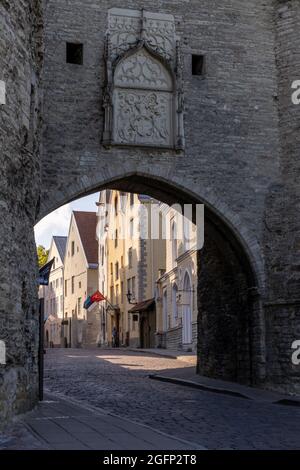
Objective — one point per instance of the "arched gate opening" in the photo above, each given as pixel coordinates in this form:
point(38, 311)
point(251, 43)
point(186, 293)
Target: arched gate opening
point(230, 322)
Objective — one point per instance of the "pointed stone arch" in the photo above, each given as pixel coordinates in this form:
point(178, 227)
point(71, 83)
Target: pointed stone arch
point(143, 68)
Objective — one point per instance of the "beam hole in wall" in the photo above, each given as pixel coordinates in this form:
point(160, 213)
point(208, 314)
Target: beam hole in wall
point(198, 65)
point(74, 53)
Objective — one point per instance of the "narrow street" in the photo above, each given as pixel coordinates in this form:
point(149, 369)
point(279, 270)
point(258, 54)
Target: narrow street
point(117, 381)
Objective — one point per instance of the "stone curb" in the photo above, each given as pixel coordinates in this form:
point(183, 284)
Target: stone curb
point(224, 391)
point(190, 383)
point(179, 357)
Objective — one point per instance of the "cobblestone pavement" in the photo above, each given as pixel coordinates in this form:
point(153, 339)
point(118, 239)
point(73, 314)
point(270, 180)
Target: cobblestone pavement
point(117, 381)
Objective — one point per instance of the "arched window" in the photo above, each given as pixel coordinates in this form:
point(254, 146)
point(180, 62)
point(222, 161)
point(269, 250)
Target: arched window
point(165, 310)
point(186, 234)
point(174, 242)
point(187, 310)
point(174, 304)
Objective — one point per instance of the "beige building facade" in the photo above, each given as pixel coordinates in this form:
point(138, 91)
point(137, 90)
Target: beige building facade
point(176, 304)
point(133, 261)
point(81, 327)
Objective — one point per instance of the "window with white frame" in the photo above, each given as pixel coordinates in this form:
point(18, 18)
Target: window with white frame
point(165, 310)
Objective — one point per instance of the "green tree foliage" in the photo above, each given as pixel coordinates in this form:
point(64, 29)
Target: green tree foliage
point(42, 254)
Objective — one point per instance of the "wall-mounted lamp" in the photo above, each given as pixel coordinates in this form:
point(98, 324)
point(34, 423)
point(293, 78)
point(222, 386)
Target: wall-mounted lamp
point(129, 296)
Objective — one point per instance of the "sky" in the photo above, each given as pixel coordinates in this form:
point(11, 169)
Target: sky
point(57, 223)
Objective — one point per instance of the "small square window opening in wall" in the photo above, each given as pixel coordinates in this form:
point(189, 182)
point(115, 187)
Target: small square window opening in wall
point(198, 65)
point(74, 53)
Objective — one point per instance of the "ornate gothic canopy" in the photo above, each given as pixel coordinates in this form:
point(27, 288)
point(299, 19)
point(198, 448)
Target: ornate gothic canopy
point(143, 98)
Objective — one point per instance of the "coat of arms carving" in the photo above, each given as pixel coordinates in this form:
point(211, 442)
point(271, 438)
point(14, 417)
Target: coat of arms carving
point(143, 98)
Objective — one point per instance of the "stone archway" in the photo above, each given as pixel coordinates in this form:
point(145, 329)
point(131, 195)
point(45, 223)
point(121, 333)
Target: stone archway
point(228, 171)
point(227, 245)
point(231, 342)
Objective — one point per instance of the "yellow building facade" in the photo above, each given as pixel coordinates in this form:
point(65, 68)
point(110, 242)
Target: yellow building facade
point(133, 260)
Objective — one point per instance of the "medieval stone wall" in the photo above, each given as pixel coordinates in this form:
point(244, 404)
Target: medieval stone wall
point(233, 158)
point(231, 154)
point(228, 335)
point(20, 63)
point(174, 338)
point(282, 229)
point(241, 158)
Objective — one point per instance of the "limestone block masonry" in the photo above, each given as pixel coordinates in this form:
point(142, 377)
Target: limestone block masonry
point(282, 230)
point(20, 67)
point(230, 141)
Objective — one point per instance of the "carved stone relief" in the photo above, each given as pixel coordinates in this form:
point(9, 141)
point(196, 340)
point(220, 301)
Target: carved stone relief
point(143, 99)
point(141, 70)
point(143, 118)
point(125, 28)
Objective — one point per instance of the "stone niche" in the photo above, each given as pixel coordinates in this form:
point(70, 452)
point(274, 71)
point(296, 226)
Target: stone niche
point(143, 98)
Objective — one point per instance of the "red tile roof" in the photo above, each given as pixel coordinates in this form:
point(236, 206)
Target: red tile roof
point(86, 224)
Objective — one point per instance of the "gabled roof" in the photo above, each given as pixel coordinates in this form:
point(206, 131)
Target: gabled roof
point(61, 243)
point(87, 223)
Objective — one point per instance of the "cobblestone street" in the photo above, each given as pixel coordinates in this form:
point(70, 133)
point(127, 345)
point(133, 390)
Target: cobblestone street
point(117, 382)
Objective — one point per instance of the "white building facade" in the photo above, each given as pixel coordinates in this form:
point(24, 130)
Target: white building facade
point(54, 294)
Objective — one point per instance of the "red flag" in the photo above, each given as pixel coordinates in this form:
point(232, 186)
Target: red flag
point(97, 297)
